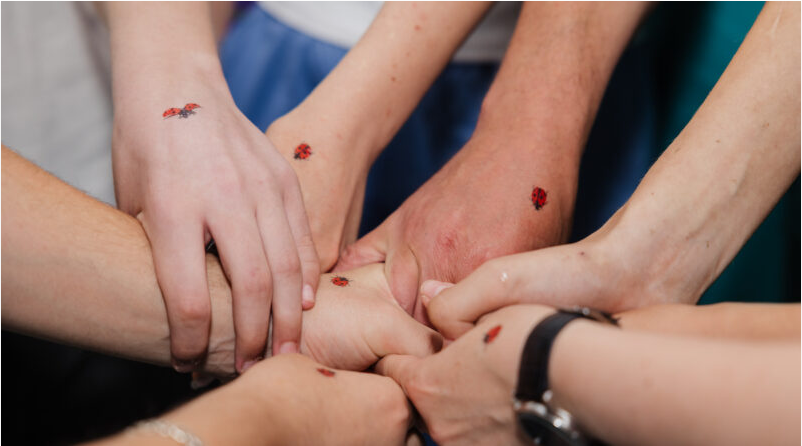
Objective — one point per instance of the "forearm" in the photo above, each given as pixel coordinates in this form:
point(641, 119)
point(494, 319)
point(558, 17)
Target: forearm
point(161, 53)
point(384, 76)
point(536, 118)
point(746, 321)
point(554, 75)
point(626, 387)
point(718, 180)
point(79, 272)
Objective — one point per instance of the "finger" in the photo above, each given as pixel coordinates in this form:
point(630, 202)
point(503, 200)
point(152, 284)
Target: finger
point(305, 245)
point(404, 335)
point(371, 248)
point(285, 267)
point(456, 308)
point(403, 276)
point(239, 245)
point(398, 367)
point(180, 264)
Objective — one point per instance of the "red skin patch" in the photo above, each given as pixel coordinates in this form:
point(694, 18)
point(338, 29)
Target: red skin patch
point(492, 333)
point(303, 151)
point(326, 372)
point(538, 198)
point(340, 281)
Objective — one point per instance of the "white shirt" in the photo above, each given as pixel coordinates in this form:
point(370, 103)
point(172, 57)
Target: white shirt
point(343, 23)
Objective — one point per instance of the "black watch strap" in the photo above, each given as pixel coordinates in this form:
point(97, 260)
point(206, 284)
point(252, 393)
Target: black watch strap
point(533, 377)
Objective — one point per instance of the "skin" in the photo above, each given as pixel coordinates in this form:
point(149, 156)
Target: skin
point(604, 375)
point(531, 132)
point(284, 400)
point(382, 79)
point(101, 291)
point(674, 236)
point(212, 175)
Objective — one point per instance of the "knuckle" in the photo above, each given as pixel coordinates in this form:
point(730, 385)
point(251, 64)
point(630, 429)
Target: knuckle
point(255, 283)
point(288, 266)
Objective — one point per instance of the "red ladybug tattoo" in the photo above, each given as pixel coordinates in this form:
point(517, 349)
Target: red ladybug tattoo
point(326, 372)
point(340, 281)
point(181, 112)
point(492, 333)
point(538, 198)
point(303, 151)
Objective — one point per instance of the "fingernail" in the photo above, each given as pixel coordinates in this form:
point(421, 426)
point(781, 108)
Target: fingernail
point(288, 347)
point(248, 364)
point(424, 298)
point(432, 288)
point(308, 295)
point(185, 365)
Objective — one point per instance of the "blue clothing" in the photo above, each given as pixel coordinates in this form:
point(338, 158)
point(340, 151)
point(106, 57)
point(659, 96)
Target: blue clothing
point(271, 68)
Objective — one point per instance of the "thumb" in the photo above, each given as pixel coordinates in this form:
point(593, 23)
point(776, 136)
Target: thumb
point(453, 310)
point(371, 248)
point(400, 368)
point(408, 337)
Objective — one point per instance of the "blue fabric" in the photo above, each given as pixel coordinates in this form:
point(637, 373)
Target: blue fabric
point(271, 68)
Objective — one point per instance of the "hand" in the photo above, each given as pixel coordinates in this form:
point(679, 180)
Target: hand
point(215, 175)
point(476, 208)
point(463, 392)
point(351, 327)
point(606, 271)
point(291, 399)
point(333, 176)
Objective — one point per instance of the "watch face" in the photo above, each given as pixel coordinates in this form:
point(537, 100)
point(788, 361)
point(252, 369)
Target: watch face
point(541, 431)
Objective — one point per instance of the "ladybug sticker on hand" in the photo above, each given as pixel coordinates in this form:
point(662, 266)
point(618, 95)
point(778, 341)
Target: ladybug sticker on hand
point(340, 281)
point(538, 198)
point(188, 109)
point(303, 151)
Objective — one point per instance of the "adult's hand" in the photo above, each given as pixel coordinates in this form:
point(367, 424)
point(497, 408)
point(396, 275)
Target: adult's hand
point(512, 187)
point(291, 399)
point(473, 210)
point(353, 326)
point(205, 173)
point(463, 392)
point(382, 80)
point(691, 214)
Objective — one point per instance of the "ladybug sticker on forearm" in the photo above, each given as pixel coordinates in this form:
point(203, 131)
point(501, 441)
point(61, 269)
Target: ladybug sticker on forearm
point(188, 109)
point(538, 198)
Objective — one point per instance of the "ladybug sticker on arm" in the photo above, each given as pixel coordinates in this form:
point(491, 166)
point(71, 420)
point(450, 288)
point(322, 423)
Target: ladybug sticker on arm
point(491, 334)
point(188, 109)
point(538, 198)
point(303, 151)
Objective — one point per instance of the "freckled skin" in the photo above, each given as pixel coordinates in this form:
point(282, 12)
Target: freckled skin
point(340, 281)
point(491, 334)
point(326, 372)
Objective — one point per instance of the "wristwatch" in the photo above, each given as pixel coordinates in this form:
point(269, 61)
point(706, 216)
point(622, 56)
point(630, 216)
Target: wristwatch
point(539, 420)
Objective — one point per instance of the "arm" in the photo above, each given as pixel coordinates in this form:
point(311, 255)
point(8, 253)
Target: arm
point(285, 400)
point(188, 170)
point(79, 272)
point(357, 109)
point(531, 132)
point(719, 392)
point(729, 320)
point(689, 216)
